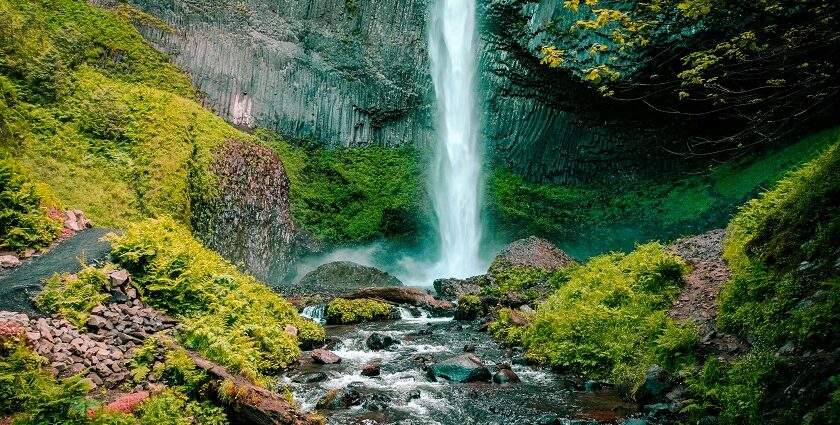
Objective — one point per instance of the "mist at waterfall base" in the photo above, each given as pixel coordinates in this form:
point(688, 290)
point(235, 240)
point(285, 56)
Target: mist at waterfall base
point(456, 184)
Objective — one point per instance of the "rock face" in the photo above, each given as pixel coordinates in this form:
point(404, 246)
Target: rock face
point(452, 288)
point(249, 220)
point(333, 279)
point(357, 74)
point(465, 368)
point(533, 252)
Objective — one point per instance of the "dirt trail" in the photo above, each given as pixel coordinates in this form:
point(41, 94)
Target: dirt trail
point(18, 285)
point(698, 300)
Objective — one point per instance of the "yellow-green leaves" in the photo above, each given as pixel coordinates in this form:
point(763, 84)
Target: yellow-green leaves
point(552, 56)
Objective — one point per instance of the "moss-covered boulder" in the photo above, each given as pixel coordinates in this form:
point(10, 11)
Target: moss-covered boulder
point(343, 312)
point(340, 277)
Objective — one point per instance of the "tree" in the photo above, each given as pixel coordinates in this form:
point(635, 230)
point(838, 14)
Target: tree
point(763, 65)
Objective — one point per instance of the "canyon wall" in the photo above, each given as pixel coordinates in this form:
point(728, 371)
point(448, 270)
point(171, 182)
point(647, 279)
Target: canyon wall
point(356, 73)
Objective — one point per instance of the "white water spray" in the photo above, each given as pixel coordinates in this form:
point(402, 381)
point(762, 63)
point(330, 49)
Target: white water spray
point(455, 182)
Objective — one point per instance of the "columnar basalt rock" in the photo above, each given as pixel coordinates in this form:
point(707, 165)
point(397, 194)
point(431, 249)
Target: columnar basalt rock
point(356, 74)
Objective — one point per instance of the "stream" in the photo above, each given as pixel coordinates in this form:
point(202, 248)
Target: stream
point(403, 394)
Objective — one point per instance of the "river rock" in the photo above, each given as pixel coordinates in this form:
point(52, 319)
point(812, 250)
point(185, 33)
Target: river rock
point(394, 294)
point(464, 368)
point(452, 288)
point(656, 384)
point(505, 376)
point(371, 370)
point(325, 356)
point(340, 399)
point(340, 277)
point(310, 378)
point(533, 252)
point(9, 261)
point(378, 341)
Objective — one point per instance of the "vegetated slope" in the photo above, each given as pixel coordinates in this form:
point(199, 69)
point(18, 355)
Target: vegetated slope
point(114, 129)
point(607, 318)
point(591, 219)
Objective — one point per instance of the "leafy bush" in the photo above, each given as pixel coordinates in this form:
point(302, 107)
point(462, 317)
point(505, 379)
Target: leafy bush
point(782, 248)
point(74, 296)
point(24, 222)
point(31, 394)
point(607, 319)
point(469, 307)
point(503, 328)
point(341, 311)
point(173, 408)
point(227, 316)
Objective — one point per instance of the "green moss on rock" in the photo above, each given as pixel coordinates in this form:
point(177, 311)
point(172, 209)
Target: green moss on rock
point(342, 311)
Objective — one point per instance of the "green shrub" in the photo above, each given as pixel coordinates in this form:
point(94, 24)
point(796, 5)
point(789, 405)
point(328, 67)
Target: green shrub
point(173, 408)
point(227, 316)
point(74, 296)
point(31, 394)
point(503, 328)
point(782, 248)
point(607, 320)
point(24, 222)
point(341, 311)
point(469, 307)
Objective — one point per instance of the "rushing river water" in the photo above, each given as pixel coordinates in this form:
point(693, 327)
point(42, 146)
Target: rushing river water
point(403, 391)
point(456, 185)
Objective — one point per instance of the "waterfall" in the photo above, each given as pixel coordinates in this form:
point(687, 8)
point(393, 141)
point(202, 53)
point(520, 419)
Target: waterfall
point(314, 312)
point(455, 184)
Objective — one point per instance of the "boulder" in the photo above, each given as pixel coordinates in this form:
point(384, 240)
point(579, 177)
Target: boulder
point(452, 288)
point(518, 319)
point(655, 386)
point(340, 399)
point(371, 370)
point(393, 294)
point(533, 252)
point(378, 341)
point(9, 261)
point(505, 376)
point(309, 378)
point(339, 277)
point(464, 368)
point(325, 356)
point(119, 278)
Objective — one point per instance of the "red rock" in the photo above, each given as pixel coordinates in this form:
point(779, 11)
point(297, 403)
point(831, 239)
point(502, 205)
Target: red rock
point(370, 370)
point(325, 356)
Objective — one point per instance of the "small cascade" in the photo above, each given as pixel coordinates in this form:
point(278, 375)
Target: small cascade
point(314, 312)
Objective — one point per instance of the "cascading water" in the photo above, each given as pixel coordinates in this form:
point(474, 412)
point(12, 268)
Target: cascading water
point(456, 177)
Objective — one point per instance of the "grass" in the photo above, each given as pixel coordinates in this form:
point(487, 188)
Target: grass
point(642, 209)
point(354, 195)
point(227, 316)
